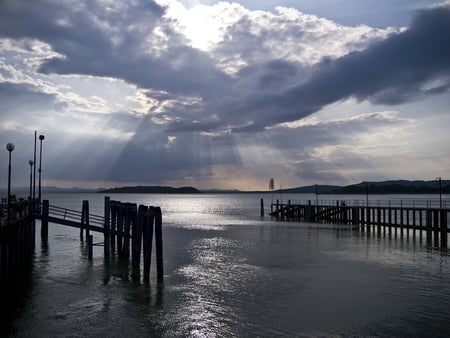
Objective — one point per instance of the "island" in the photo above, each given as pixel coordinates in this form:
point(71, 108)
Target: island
point(150, 190)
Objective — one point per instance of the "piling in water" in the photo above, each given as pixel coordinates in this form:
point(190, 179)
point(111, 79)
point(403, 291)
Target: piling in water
point(44, 221)
point(159, 244)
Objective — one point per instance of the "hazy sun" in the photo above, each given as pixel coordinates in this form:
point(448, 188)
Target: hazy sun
point(202, 25)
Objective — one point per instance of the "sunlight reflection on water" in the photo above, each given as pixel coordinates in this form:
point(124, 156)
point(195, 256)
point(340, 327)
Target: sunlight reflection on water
point(230, 273)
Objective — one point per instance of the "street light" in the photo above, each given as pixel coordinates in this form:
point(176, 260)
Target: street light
point(367, 193)
point(317, 194)
point(31, 162)
point(41, 138)
point(440, 191)
point(10, 147)
point(34, 176)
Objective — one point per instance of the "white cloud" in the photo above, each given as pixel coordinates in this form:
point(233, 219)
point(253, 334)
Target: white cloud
point(186, 91)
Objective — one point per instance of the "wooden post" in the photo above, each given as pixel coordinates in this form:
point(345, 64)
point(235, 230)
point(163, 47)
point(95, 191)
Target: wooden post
point(379, 221)
point(113, 226)
point(402, 222)
point(159, 244)
point(262, 207)
point(436, 227)
point(428, 226)
point(106, 227)
point(44, 220)
point(136, 243)
point(119, 229)
point(127, 227)
point(82, 223)
point(147, 236)
point(90, 242)
point(443, 228)
point(84, 219)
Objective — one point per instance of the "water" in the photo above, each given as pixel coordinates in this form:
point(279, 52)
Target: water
point(230, 273)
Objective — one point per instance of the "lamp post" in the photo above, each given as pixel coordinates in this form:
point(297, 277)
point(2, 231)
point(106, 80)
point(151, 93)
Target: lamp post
point(10, 147)
point(271, 186)
point(41, 138)
point(317, 193)
point(31, 162)
point(439, 179)
point(367, 193)
point(34, 172)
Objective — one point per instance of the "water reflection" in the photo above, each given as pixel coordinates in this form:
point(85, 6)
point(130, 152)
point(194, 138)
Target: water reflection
point(228, 274)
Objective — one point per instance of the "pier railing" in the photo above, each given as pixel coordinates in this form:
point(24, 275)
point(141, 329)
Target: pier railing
point(121, 223)
point(74, 215)
point(419, 203)
point(432, 220)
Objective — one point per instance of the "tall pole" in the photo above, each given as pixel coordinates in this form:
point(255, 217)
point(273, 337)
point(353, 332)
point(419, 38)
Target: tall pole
point(281, 193)
point(440, 191)
point(10, 148)
point(367, 193)
point(271, 186)
point(31, 162)
point(317, 194)
point(41, 138)
point(34, 161)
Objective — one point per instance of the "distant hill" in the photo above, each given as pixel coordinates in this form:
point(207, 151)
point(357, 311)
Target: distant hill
point(384, 187)
point(396, 187)
point(311, 189)
point(151, 190)
point(221, 191)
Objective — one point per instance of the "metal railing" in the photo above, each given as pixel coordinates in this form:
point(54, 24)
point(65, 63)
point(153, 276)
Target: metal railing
point(74, 215)
point(402, 203)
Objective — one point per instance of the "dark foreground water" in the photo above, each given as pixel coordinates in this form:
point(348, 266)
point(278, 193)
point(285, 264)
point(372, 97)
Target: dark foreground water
point(229, 273)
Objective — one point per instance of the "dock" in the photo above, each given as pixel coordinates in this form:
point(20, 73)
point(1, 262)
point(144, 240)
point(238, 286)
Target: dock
point(381, 219)
point(127, 229)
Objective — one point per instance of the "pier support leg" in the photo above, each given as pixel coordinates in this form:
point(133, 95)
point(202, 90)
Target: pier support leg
point(90, 242)
point(84, 219)
point(113, 226)
point(120, 229)
point(44, 221)
point(128, 216)
point(159, 244)
point(443, 224)
point(147, 236)
point(428, 227)
point(136, 243)
point(436, 227)
point(106, 227)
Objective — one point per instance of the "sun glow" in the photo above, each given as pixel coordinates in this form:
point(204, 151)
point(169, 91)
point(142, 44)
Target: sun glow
point(204, 26)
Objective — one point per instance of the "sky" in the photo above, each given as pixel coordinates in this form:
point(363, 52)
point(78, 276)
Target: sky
point(218, 94)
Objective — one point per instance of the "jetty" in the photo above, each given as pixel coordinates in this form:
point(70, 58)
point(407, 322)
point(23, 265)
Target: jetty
point(127, 229)
point(383, 218)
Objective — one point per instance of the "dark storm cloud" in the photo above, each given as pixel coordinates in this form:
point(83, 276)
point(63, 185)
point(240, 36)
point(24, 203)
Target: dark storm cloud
point(390, 72)
point(115, 42)
point(98, 41)
point(393, 71)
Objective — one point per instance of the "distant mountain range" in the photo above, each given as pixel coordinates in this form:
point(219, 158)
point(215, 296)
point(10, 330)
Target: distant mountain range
point(384, 187)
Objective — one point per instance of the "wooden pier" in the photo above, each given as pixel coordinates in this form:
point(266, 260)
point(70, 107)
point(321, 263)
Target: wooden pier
point(380, 219)
point(121, 224)
point(17, 243)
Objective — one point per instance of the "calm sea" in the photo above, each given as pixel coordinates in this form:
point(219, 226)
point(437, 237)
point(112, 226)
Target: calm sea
point(230, 273)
